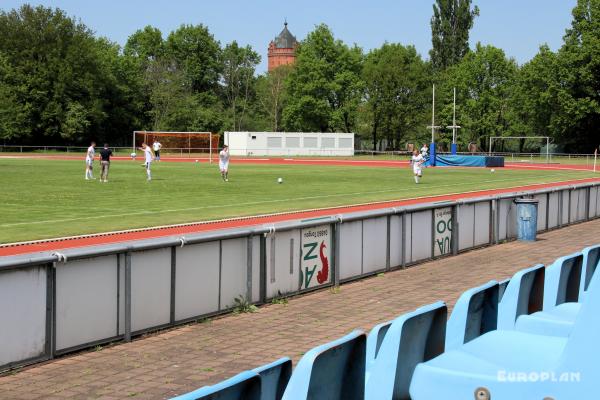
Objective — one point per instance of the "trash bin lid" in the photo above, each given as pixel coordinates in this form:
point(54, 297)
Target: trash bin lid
point(526, 201)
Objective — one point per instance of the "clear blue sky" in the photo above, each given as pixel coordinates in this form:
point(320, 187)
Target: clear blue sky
point(517, 26)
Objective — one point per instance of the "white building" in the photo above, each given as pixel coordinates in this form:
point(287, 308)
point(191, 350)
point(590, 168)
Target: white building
point(289, 144)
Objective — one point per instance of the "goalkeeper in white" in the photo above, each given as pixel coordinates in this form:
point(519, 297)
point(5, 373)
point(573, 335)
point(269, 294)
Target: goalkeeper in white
point(417, 163)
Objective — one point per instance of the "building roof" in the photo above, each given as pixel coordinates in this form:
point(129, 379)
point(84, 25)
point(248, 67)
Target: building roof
point(285, 40)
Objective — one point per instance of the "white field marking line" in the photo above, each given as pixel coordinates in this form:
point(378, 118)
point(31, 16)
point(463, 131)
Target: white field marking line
point(290, 213)
point(519, 166)
point(254, 203)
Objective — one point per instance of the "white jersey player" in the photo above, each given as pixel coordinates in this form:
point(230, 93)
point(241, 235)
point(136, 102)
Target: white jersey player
point(424, 151)
point(417, 163)
point(148, 157)
point(224, 163)
point(89, 161)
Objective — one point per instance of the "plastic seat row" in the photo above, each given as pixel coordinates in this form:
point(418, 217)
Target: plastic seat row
point(530, 337)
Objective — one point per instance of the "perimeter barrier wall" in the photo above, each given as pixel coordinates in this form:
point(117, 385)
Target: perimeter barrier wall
point(56, 303)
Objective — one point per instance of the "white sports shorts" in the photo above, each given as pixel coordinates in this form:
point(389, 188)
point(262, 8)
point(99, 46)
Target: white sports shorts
point(223, 166)
point(89, 162)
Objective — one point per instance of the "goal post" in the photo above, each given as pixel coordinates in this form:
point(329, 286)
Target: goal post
point(179, 142)
point(501, 138)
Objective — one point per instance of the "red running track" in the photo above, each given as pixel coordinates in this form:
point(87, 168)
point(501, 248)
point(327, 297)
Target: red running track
point(107, 238)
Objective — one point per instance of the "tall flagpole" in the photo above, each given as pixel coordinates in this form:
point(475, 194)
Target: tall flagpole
point(433, 127)
point(454, 126)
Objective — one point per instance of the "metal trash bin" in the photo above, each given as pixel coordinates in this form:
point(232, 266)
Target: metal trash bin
point(526, 219)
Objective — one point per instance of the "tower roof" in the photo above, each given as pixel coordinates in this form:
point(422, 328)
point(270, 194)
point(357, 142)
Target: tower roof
point(285, 40)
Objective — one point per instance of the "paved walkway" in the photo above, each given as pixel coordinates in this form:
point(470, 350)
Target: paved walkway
point(160, 366)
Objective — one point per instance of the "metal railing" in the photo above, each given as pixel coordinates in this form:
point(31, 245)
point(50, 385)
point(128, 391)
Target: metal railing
point(68, 300)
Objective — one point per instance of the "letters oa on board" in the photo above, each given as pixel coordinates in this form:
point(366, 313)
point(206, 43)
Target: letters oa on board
point(442, 226)
point(315, 269)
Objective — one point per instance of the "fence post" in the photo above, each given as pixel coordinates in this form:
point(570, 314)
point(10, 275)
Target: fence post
point(249, 242)
point(388, 249)
point(454, 235)
point(336, 253)
point(263, 268)
point(403, 238)
point(173, 282)
point(127, 335)
point(588, 200)
point(50, 345)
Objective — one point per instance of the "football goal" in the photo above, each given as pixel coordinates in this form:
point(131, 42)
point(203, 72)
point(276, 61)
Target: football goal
point(180, 143)
point(521, 145)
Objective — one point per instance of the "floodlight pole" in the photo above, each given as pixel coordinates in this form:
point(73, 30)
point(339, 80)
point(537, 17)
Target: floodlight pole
point(433, 127)
point(454, 126)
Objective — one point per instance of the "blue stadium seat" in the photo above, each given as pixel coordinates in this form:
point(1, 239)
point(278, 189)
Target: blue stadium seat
point(475, 313)
point(410, 339)
point(502, 285)
point(509, 364)
point(591, 258)
point(374, 341)
point(523, 295)
point(244, 386)
point(561, 294)
point(335, 370)
point(274, 378)
point(562, 281)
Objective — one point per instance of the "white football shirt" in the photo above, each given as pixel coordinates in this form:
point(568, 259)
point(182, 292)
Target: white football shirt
point(148, 154)
point(91, 152)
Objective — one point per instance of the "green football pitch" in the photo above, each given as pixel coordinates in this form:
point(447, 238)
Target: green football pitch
point(50, 198)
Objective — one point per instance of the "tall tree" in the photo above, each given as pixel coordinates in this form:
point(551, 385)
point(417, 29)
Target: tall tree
point(237, 78)
point(325, 86)
point(195, 50)
point(146, 44)
point(450, 25)
point(272, 93)
point(579, 74)
point(59, 73)
point(484, 80)
point(397, 85)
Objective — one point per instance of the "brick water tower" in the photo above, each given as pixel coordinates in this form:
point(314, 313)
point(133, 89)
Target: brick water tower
point(282, 50)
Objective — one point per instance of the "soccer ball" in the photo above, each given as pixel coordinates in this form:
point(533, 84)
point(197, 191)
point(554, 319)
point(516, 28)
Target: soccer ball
point(492, 170)
point(133, 155)
point(279, 180)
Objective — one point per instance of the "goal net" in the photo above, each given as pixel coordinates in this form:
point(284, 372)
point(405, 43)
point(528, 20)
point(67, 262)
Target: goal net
point(521, 148)
point(183, 144)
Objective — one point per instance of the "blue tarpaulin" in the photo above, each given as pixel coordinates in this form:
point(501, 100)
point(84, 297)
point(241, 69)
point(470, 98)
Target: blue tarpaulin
point(468, 161)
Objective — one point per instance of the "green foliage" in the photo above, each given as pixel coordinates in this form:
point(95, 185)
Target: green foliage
point(397, 91)
point(239, 64)
point(324, 88)
point(271, 93)
point(190, 192)
point(242, 305)
point(57, 79)
point(197, 52)
point(279, 300)
point(450, 25)
point(484, 81)
point(145, 44)
point(59, 84)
